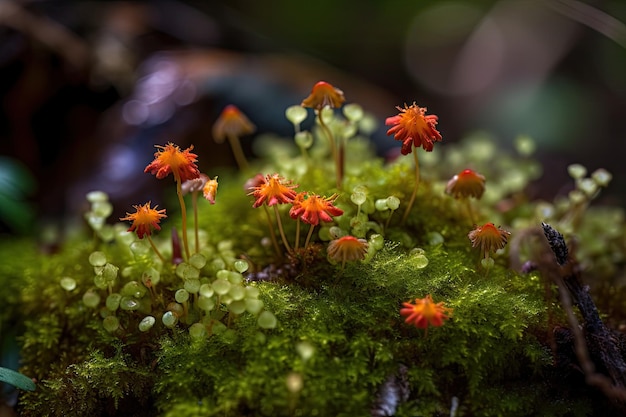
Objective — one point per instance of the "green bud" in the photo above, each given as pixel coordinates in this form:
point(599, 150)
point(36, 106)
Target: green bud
point(304, 139)
point(197, 260)
point(266, 320)
point(296, 114)
point(113, 301)
point(68, 284)
point(576, 171)
point(237, 307)
point(129, 303)
point(181, 296)
point(91, 299)
point(97, 258)
point(169, 319)
point(197, 331)
point(221, 286)
point(206, 290)
point(97, 196)
point(192, 285)
point(111, 323)
point(393, 202)
point(253, 306)
point(381, 204)
point(241, 266)
point(353, 112)
point(146, 323)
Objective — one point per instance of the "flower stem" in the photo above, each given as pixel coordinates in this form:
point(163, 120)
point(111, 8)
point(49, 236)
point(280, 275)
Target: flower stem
point(417, 183)
point(183, 210)
point(272, 234)
point(194, 203)
point(280, 229)
point(333, 148)
point(297, 235)
point(155, 249)
point(235, 145)
point(308, 236)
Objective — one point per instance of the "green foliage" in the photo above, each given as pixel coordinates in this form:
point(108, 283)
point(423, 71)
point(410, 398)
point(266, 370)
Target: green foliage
point(110, 329)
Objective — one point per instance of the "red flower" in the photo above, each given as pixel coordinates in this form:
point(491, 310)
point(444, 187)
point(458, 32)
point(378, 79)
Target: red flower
point(488, 238)
point(313, 208)
point(273, 190)
point(465, 184)
point(413, 128)
point(322, 95)
point(425, 312)
point(232, 122)
point(347, 248)
point(170, 159)
point(145, 219)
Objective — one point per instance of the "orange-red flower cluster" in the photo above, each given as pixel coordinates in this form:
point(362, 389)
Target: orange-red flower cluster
point(413, 127)
point(170, 159)
point(347, 248)
point(322, 95)
point(144, 219)
point(232, 122)
point(274, 189)
point(313, 208)
point(489, 238)
point(466, 184)
point(425, 312)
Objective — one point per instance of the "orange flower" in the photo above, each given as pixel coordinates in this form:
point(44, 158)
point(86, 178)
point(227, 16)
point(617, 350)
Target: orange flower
point(322, 95)
point(273, 190)
point(347, 248)
point(465, 184)
point(413, 128)
point(232, 122)
point(210, 189)
point(488, 238)
point(424, 312)
point(313, 208)
point(170, 159)
point(145, 219)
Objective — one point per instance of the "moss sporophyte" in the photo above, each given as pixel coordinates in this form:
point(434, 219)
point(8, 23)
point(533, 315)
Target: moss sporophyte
point(210, 327)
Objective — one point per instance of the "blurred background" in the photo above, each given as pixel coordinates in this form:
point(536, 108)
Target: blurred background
point(88, 88)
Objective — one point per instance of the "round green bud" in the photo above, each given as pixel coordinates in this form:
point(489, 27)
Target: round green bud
point(169, 319)
point(368, 124)
point(110, 272)
point(218, 264)
point(102, 208)
point(266, 320)
point(235, 278)
point(435, 238)
point(576, 197)
point(336, 232)
point(349, 130)
point(303, 139)
point(353, 112)
point(91, 299)
point(146, 323)
point(125, 237)
point(106, 233)
point(113, 301)
point(181, 296)
point(377, 241)
point(197, 331)
point(237, 306)
point(222, 274)
point(206, 290)
point(576, 171)
point(151, 277)
point(587, 186)
point(487, 262)
point(241, 266)
point(100, 282)
point(97, 258)
point(253, 306)
point(393, 202)
point(133, 289)
point(252, 292)
point(95, 222)
point(139, 248)
point(68, 284)
point(129, 304)
point(237, 292)
point(186, 271)
point(296, 114)
point(192, 285)
point(111, 323)
point(97, 196)
point(206, 303)
point(327, 114)
point(306, 350)
point(197, 260)
point(221, 286)
point(358, 197)
point(381, 204)
point(420, 261)
point(225, 245)
point(524, 145)
point(602, 177)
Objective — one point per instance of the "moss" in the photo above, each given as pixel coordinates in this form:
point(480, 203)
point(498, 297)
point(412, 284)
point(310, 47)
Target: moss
point(211, 347)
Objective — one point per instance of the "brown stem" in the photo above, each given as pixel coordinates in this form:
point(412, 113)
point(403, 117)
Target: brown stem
point(333, 149)
point(280, 229)
point(235, 145)
point(155, 249)
point(194, 202)
point(417, 183)
point(272, 234)
point(308, 236)
point(183, 209)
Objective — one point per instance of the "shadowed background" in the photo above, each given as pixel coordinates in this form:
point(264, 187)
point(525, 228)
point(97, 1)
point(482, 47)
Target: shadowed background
point(88, 88)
